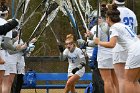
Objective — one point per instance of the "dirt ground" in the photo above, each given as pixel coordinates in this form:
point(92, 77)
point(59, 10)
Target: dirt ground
point(50, 91)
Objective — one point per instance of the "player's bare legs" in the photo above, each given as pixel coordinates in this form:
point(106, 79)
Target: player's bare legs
point(131, 80)
point(119, 70)
point(115, 81)
point(7, 83)
point(1, 78)
point(70, 85)
point(108, 80)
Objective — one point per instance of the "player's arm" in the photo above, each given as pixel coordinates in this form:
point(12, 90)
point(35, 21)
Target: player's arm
point(63, 52)
point(8, 44)
point(8, 26)
point(110, 44)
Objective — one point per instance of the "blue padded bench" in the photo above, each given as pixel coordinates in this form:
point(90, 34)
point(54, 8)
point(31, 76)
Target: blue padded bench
point(57, 77)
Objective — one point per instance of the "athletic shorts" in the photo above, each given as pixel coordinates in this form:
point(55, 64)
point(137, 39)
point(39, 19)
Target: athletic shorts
point(120, 57)
point(106, 64)
point(10, 68)
point(133, 62)
point(79, 73)
point(2, 67)
point(18, 68)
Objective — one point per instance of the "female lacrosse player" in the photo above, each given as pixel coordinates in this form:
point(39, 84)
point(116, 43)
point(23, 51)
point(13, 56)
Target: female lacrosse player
point(104, 55)
point(4, 28)
point(15, 63)
point(76, 61)
point(119, 53)
point(127, 38)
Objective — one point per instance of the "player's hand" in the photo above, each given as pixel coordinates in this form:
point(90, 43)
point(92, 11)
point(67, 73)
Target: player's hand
point(61, 48)
point(75, 70)
point(96, 41)
point(18, 47)
point(87, 34)
point(24, 46)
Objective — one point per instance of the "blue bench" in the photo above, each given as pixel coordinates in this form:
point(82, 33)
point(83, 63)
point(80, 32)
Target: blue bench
point(57, 77)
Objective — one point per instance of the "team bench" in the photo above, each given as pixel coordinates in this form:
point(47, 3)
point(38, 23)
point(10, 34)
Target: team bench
point(57, 77)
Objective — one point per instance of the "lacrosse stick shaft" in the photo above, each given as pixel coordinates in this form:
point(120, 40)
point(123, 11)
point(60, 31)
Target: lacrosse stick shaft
point(80, 14)
point(29, 17)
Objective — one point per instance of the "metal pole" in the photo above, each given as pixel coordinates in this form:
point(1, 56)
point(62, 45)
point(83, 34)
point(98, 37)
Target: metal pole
point(13, 7)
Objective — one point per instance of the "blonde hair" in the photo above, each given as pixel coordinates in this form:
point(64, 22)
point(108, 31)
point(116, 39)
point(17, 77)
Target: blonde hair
point(70, 37)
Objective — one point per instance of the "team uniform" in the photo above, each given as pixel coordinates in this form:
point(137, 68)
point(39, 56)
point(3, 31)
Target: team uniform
point(104, 55)
point(129, 41)
point(89, 50)
point(2, 52)
point(15, 62)
point(128, 18)
point(74, 61)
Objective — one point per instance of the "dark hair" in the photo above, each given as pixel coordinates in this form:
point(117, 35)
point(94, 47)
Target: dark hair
point(103, 9)
point(3, 6)
point(113, 13)
point(120, 0)
point(14, 34)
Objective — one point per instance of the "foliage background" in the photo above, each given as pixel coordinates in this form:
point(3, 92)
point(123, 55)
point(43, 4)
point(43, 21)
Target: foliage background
point(47, 45)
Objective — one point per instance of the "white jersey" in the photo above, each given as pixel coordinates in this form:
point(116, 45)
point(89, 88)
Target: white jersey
point(126, 36)
point(74, 57)
point(2, 22)
point(103, 53)
point(14, 58)
point(89, 50)
point(128, 18)
point(9, 34)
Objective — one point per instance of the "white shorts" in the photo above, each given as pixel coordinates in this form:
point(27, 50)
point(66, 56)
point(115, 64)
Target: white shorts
point(120, 57)
point(106, 64)
point(10, 68)
point(133, 62)
point(79, 72)
point(18, 68)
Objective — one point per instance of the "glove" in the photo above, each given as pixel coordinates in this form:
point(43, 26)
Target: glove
point(75, 70)
point(61, 48)
point(81, 42)
point(30, 48)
